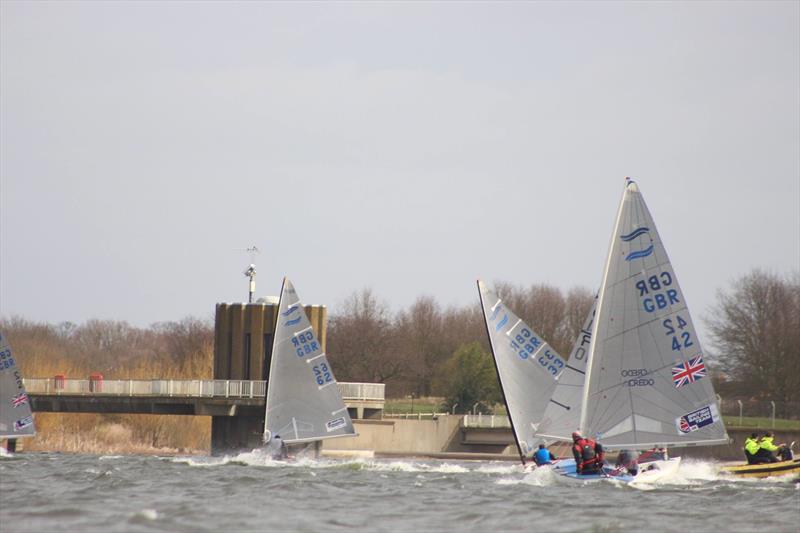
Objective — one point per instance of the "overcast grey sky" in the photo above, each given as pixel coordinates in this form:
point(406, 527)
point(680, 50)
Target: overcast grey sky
point(407, 147)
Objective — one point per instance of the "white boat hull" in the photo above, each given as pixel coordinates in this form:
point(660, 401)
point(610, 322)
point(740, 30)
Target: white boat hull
point(649, 472)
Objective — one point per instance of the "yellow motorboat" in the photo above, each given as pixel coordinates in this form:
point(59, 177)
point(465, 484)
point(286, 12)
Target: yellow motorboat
point(765, 469)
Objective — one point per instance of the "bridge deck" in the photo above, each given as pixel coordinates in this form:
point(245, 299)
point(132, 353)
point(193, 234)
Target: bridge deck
point(176, 397)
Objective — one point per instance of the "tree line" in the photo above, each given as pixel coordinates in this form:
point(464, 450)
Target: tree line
point(428, 350)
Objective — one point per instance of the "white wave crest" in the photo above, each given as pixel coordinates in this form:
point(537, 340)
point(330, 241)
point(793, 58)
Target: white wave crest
point(147, 514)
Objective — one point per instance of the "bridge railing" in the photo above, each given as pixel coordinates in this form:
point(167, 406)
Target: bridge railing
point(363, 391)
point(485, 421)
point(226, 388)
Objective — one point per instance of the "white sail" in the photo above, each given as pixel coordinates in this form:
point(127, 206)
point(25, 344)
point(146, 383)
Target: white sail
point(16, 419)
point(563, 412)
point(526, 365)
point(646, 381)
point(303, 399)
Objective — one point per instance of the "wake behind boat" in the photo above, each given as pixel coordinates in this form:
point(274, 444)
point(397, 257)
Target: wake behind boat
point(304, 404)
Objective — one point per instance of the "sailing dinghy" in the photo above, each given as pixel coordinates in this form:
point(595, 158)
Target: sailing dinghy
point(646, 383)
point(16, 419)
point(526, 365)
point(304, 404)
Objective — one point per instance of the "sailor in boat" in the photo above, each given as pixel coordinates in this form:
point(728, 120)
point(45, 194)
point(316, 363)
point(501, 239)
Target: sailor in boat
point(628, 460)
point(751, 447)
point(543, 456)
point(767, 450)
point(276, 448)
point(588, 455)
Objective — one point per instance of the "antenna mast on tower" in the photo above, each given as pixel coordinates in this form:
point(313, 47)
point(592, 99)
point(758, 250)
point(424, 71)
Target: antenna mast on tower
point(251, 271)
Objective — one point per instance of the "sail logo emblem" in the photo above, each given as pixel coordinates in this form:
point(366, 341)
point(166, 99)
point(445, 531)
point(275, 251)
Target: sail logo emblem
point(689, 371)
point(22, 423)
point(289, 311)
point(335, 424)
point(705, 416)
point(19, 399)
point(495, 311)
point(292, 322)
point(503, 322)
point(638, 232)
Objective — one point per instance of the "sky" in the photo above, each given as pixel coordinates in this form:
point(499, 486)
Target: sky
point(408, 147)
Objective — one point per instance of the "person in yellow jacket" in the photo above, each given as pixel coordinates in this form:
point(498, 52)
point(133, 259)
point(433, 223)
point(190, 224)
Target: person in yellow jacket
point(751, 447)
point(767, 449)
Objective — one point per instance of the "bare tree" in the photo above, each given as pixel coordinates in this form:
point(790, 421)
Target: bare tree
point(579, 302)
point(421, 342)
point(756, 326)
point(362, 341)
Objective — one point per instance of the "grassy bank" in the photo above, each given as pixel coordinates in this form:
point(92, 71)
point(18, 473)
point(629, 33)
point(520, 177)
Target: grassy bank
point(760, 423)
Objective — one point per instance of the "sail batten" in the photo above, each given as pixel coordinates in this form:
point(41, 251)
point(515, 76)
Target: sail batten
point(302, 406)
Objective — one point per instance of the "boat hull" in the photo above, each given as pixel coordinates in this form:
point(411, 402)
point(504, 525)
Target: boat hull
point(765, 470)
point(648, 472)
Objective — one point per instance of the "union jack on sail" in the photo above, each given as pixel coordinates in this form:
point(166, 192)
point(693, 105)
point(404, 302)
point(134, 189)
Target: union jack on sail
point(689, 371)
point(19, 399)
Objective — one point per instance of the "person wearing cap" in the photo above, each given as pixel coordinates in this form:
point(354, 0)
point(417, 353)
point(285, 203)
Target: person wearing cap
point(588, 454)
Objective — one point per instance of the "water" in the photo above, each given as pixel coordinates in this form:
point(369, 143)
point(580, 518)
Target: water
point(248, 492)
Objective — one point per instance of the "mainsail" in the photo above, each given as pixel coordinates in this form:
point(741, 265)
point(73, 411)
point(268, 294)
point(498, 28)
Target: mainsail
point(647, 383)
point(563, 412)
point(303, 399)
point(16, 419)
point(526, 365)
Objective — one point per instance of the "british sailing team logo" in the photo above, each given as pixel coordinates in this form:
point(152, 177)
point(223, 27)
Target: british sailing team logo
point(705, 416)
point(22, 423)
point(638, 254)
point(336, 423)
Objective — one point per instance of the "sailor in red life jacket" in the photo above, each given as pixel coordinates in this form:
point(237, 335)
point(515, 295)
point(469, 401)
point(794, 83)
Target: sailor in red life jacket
point(588, 455)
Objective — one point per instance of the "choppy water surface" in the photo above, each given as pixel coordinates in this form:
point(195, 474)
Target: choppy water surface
point(247, 492)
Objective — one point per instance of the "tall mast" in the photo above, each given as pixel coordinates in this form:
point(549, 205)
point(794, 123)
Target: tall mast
point(601, 294)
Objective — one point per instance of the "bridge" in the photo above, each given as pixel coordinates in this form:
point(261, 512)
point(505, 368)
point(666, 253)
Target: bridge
point(236, 406)
point(197, 397)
